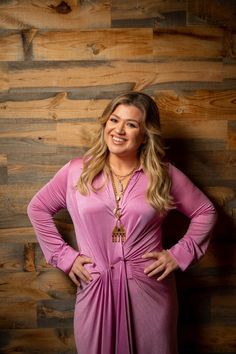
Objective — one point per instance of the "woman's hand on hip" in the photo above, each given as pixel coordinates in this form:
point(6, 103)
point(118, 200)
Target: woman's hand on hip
point(164, 263)
point(78, 272)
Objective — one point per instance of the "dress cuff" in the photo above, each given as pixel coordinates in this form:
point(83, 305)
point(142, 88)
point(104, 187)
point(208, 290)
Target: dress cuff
point(67, 259)
point(182, 256)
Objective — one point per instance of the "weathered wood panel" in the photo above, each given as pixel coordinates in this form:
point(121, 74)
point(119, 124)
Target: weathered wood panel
point(192, 42)
point(60, 63)
point(4, 81)
point(147, 13)
point(11, 46)
point(53, 14)
point(139, 74)
point(221, 13)
point(23, 316)
point(232, 135)
point(56, 107)
point(202, 105)
point(40, 340)
point(32, 286)
point(110, 44)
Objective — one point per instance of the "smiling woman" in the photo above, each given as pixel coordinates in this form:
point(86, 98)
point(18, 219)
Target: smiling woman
point(118, 196)
point(124, 133)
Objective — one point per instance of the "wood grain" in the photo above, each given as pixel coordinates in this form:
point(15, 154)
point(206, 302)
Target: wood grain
point(57, 107)
point(200, 105)
point(23, 316)
point(138, 74)
point(60, 64)
point(11, 46)
point(48, 340)
point(113, 44)
point(28, 286)
point(26, 14)
point(4, 79)
point(190, 42)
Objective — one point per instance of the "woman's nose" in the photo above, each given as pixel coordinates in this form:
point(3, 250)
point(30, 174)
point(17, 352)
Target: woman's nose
point(120, 128)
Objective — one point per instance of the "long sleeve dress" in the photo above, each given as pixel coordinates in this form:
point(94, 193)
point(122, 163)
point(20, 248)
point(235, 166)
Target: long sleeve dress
point(122, 310)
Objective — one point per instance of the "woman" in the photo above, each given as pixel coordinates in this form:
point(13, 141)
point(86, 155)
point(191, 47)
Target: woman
point(118, 196)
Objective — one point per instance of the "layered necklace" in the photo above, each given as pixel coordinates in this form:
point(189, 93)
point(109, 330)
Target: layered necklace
point(119, 232)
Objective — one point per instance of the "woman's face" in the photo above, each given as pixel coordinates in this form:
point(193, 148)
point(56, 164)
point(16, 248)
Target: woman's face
point(124, 132)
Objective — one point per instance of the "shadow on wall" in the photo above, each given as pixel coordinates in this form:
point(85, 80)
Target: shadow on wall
point(211, 277)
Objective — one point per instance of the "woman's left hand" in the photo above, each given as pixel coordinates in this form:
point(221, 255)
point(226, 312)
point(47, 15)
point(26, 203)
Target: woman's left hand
point(164, 263)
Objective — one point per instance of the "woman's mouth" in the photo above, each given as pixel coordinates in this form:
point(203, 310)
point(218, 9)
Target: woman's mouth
point(117, 140)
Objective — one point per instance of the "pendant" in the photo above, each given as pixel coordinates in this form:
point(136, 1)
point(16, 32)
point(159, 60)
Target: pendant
point(117, 212)
point(120, 186)
point(118, 233)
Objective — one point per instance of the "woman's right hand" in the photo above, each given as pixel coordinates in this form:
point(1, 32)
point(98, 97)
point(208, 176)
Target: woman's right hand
point(78, 272)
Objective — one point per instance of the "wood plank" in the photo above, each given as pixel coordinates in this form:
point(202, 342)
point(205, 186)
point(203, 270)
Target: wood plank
point(195, 144)
point(18, 315)
point(112, 44)
point(220, 13)
point(210, 339)
point(206, 165)
point(44, 340)
point(229, 71)
point(4, 80)
point(28, 136)
point(41, 14)
point(139, 74)
point(17, 235)
point(11, 46)
point(220, 256)
point(232, 135)
point(14, 200)
point(212, 282)
point(201, 104)
point(78, 134)
point(188, 42)
point(221, 195)
point(56, 313)
point(3, 169)
point(32, 286)
point(11, 257)
point(147, 13)
point(223, 308)
point(195, 129)
point(29, 257)
point(57, 107)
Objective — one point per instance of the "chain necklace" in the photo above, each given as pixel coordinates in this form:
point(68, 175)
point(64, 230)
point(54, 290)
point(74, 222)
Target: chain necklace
point(119, 232)
point(120, 179)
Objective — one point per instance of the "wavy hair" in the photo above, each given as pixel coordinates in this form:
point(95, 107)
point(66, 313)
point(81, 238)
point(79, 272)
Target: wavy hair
point(151, 152)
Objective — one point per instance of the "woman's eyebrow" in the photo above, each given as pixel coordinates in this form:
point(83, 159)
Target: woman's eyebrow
point(127, 119)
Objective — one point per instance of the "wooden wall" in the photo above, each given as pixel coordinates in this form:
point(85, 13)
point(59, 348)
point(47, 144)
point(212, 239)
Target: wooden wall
point(60, 63)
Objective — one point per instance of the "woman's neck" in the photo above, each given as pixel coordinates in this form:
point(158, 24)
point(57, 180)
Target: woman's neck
point(122, 166)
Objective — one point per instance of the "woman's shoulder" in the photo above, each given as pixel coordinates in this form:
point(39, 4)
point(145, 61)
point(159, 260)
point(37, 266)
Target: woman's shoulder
point(76, 162)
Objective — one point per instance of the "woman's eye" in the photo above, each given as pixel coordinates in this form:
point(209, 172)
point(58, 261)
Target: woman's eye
point(113, 120)
point(131, 125)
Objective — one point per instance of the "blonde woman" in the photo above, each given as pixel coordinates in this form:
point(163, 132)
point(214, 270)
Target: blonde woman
point(118, 195)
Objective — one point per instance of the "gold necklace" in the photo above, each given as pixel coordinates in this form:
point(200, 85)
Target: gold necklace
point(119, 232)
point(120, 179)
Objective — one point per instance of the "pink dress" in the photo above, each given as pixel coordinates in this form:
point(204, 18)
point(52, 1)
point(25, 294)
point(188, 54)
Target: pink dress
point(122, 310)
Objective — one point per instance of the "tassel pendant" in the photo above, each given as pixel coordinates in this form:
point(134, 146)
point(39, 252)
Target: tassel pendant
point(118, 233)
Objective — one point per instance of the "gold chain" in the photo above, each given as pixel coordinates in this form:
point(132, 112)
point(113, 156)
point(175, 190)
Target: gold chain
point(119, 232)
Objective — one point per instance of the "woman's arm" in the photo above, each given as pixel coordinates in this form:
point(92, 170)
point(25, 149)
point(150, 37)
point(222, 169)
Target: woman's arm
point(197, 207)
point(48, 201)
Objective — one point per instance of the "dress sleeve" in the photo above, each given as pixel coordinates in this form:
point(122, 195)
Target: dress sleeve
point(48, 201)
point(190, 201)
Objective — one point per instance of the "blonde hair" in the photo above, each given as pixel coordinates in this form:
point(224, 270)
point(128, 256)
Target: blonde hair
point(151, 152)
